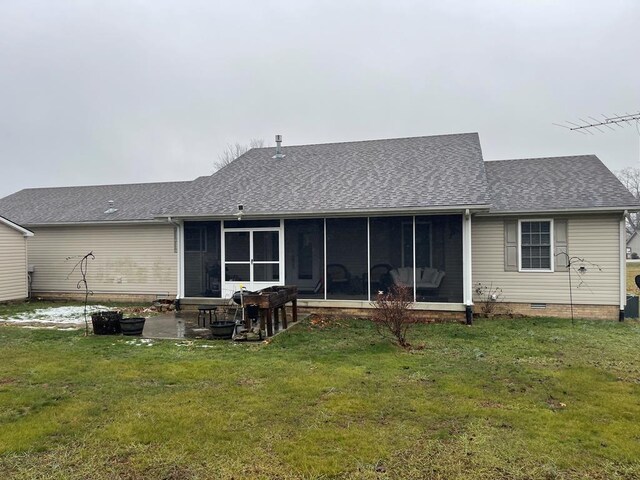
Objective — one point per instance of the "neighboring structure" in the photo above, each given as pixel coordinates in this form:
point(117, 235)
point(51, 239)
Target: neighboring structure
point(343, 221)
point(14, 283)
point(633, 246)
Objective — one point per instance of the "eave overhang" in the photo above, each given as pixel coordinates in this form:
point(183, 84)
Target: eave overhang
point(24, 231)
point(440, 209)
point(615, 209)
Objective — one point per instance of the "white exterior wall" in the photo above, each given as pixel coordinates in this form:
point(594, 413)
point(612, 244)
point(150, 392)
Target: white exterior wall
point(594, 238)
point(13, 264)
point(129, 259)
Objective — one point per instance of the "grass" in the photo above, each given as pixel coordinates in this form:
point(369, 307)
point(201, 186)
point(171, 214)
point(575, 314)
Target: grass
point(522, 399)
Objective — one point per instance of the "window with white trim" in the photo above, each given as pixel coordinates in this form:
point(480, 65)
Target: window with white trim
point(535, 245)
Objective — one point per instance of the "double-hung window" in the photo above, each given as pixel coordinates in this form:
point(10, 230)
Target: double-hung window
point(535, 242)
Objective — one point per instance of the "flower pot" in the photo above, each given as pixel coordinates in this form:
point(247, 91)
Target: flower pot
point(222, 330)
point(132, 326)
point(106, 323)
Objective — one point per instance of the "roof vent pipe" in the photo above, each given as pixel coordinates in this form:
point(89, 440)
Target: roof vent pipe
point(111, 209)
point(279, 153)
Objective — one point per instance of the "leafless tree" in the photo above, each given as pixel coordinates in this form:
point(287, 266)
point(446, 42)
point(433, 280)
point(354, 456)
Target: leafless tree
point(231, 152)
point(630, 178)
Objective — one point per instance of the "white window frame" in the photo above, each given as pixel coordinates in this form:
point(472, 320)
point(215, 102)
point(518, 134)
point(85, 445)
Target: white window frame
point(551, 247)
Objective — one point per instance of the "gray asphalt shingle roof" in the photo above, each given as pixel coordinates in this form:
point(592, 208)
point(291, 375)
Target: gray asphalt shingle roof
point(556, 183)
point(375, 175)
point(35, 206)
point(443, 170)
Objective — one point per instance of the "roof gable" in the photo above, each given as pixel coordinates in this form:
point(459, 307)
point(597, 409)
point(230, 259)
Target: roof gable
point(133, 202)
point(404, 173)
point(555, 183)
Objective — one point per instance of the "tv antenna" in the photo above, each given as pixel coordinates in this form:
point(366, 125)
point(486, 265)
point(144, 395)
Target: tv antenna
point(586, 127)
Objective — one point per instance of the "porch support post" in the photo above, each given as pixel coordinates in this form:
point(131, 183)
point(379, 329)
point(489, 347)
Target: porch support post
point(623, 266)
point(181, 260)
point(467, 281)
point(178, 241)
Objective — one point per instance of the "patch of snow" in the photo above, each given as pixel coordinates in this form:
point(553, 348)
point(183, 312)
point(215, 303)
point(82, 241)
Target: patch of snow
point(69, 315)
point(139, 342)
point(48, 327)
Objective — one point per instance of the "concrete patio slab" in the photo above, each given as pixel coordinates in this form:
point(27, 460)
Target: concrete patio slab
point(180, 325)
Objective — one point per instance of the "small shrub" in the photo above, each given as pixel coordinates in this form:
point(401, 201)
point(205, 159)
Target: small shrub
point(634, 256)
point(490, 298)
point(392, 314)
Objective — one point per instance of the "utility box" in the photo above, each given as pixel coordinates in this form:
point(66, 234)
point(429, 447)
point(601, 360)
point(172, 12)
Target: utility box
point(631, 310)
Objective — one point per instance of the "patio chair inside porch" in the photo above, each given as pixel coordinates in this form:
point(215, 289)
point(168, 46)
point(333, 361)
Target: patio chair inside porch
point(338, 278)
point(427, 278)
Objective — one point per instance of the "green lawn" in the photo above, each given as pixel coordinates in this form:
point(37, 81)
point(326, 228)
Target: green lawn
point(524, 399)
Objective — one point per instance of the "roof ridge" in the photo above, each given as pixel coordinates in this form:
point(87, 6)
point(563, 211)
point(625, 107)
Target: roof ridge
point(103, 185)
point(367, 141)
point(541, 158)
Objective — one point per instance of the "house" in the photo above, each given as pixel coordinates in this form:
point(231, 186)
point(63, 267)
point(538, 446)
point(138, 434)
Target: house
point(633, 246)
point(343, 221)
point(14, 283)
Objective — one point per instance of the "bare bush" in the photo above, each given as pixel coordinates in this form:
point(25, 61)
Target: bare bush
point(392, 314)
point(490, 298)
point(231, 152)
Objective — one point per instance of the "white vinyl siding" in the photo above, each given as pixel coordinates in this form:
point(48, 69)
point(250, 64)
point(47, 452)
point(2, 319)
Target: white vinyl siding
point(131, 259)
point(13, 264)
point(594, 238)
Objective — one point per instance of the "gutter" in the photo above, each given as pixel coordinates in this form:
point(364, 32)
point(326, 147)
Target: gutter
point(93, 223)
point(619, 209)
point(335, 213)
point(25, 232)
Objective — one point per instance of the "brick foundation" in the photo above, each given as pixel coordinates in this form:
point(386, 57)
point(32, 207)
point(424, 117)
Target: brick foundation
point(589, 312)
point(423, 316)
point(99, 297)
point(595, 312)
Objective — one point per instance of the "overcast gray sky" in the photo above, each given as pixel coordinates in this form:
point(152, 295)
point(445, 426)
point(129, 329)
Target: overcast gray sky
point(140, 91)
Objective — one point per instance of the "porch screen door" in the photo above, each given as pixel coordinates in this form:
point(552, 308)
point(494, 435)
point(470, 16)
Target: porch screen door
point(252, 259)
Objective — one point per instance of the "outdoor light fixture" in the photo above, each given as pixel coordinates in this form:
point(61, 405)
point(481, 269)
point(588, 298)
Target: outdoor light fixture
point(582, 270)
point(240, 211)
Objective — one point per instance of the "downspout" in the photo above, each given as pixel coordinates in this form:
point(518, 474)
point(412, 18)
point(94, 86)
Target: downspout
point(623, 265)
point(178, 244)
point(467, 267)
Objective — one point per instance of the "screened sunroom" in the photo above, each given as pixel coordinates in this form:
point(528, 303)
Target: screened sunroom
point(332, 261)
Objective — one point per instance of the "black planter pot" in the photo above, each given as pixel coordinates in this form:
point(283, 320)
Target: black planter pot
point(222, 330)
point(132, 326)
point(106, 323)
